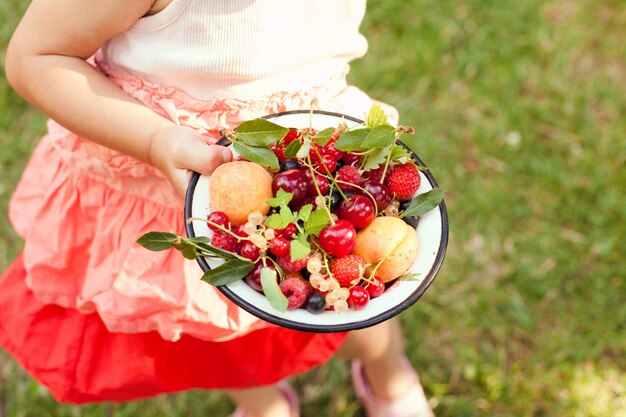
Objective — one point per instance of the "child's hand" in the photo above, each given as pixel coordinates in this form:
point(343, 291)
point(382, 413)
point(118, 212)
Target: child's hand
point(177, 150)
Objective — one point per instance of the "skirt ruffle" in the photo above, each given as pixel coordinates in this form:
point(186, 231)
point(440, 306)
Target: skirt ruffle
point(80, 361)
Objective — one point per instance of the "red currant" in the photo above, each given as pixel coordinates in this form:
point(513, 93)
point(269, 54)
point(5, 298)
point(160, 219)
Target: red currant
point(279, 246)
point(358, 298)
point(288, 231)
point(376, 288)
point(249, 250)
point(220, 218)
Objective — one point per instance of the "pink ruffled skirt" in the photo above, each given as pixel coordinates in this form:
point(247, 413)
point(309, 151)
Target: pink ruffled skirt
point(87, 292)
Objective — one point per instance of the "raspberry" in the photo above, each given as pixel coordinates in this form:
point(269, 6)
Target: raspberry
point(223, 240)
point(296, 290)
point(348, 174)
point(348, 269)
point(287, 264)
point(404, 180)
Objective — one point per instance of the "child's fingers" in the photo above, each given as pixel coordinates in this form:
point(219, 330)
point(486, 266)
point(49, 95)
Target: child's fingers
point(208, 157)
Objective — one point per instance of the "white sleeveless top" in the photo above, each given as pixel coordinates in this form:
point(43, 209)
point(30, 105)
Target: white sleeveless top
point(241, 48)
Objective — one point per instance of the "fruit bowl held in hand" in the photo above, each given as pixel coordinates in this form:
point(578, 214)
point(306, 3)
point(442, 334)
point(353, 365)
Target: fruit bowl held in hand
point(348, 210)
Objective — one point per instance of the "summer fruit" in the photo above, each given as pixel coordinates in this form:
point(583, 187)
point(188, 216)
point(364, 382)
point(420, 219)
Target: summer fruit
point(404, 180)
point(322, 183)
point(358, 210)
point(217, 218)
point(381, 193)
point(348, 269)
point(289, 164)
point(253, 279)
point(288, 231)
point(249, 250)
point(338, 239)
point(358, 298)
point(238, 188)
point(347, 175)
point(376, 288)
point(316, 303)
point(390, 240)
point(226, 241)
point(287, 264)
point(292, 181)
point(296, 290)
point(279, 246)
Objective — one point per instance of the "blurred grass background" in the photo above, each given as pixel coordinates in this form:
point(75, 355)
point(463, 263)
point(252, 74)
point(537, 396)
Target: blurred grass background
point(520, 114)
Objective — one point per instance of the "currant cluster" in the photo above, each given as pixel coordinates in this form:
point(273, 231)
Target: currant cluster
point(323, 179)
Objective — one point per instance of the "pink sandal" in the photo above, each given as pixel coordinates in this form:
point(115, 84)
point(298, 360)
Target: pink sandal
point(411, 404)
point(287, 391)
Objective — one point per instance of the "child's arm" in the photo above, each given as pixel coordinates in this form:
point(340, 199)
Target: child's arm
point(45, 63)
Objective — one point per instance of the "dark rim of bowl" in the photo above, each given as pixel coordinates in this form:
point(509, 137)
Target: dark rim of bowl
point(317, 328)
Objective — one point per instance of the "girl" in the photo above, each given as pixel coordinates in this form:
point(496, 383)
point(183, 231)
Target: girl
point(136, 92)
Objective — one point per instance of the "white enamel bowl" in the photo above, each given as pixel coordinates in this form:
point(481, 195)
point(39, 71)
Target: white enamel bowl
point(432, 232)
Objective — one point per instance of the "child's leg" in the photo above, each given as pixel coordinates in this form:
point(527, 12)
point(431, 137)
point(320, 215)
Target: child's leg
point(266, 401)
point(380, 349)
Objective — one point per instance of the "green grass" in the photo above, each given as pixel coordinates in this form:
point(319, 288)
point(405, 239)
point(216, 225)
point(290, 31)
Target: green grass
point(519, 110)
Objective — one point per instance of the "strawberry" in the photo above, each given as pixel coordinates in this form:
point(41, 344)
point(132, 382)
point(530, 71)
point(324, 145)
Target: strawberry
point(348, 269)
point(404, 180)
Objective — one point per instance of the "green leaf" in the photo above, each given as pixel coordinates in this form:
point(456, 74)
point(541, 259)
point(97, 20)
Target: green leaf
point(287, 215)
point(259, 133)
point(157, 241)
point(272, 291)
point(323, 136)
point(205, 246)
point(305, 212)
point(352, 140)
point(304, 150)
point(188, 250)
point(316, 222)
point(299, 248)
point(376, 116)
point(292, 149)
point(261, 156)
point(282, 198)
point(379, 137)
point(230, 271)
point(275, 221)
point(374, 158)
point(424, 203)
point(398, 152)
point(411, 276)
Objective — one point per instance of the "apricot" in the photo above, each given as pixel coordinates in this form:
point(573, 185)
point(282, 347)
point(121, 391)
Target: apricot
point(238, 188)
point(390, 240)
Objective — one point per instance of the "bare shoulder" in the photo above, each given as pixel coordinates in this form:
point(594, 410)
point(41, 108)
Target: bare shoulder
point(75, 27)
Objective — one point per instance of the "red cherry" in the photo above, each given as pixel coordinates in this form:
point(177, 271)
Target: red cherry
point(376, 288)
point(279, 246)
point(322, 183)
point(279, 150)
point(358, 298)
point(330, 149)
point(253, 279)
point(292, 181)
point(358, 210)
point(292, 135)
point(249, 250)
point(381, 193)
point(219, 218)
point(338, 239)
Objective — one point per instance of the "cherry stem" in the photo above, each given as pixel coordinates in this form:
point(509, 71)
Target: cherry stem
point(382, 177)
point(317, 189)
point(220, 227)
